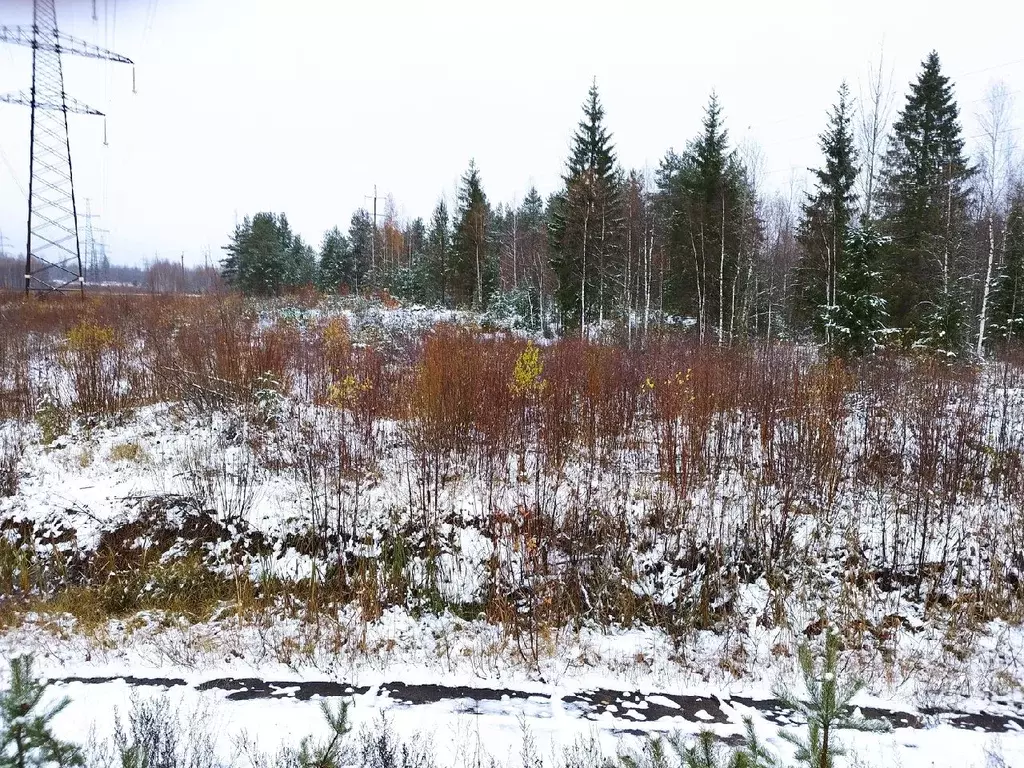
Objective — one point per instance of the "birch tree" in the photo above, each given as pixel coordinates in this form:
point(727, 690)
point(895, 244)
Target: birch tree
point(997, 151)
point(876, 102)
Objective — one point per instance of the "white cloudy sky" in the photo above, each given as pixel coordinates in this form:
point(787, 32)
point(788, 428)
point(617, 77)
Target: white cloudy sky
point(301, 106)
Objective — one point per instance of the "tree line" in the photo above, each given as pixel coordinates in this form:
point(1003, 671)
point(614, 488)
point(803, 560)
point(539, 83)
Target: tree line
point(154, 276)
point(902, 240)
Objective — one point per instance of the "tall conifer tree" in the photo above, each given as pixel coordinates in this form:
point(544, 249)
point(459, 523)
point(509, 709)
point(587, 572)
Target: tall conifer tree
point(335, 260)
point(473, 271)
point(706, 197)
point(924, 197)
point(828, 214)
point(586, 221)
point(361, 245)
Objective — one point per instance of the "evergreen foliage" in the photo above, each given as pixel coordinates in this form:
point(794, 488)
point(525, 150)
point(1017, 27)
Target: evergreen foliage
point(474, 272)
point(706, 248)
point(1008, 299)
point(827, 708)
point(585, 222)
point(26, 738)
point(924, 198)
point(329, 753)
point(707, 201)
point(265, 257)
point(361, 250)
point(335, 261)
point(438, 256)
point(412, 280)
point(856, 322)
point(828, 211)
point(671, 751)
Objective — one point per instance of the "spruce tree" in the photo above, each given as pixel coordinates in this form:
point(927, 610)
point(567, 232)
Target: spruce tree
point(828, 212)
point(704, 196)
point(474, 272)
point(439, 255)
point(335, 261)
point(924, 197)
point(1008, 298)
point(855, 321)
point(26, 736)
point(586, 220)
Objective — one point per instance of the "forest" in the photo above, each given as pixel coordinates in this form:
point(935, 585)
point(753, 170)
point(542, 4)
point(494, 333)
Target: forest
point(905, 240)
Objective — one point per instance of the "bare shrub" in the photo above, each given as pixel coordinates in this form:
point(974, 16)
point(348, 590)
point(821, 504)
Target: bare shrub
point(222, 477)
point(12, 448)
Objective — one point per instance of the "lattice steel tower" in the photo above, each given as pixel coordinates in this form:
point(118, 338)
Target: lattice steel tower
point(53, 254)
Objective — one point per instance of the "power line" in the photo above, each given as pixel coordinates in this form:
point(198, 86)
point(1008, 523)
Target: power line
point(13, 173)
point(53, 254)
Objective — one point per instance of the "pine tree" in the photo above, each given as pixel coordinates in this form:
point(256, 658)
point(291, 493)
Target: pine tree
point(671, 750)
point(335, 260)
point(855, 322)
point(1008, 297)
point(828, 212)
point(828, 708)
point(585, 222)
point(301, 264)
point(262, 258)
point(330, 753)
point(474, 271)
point(360, 239)
point(26, 739)
point(924, 199)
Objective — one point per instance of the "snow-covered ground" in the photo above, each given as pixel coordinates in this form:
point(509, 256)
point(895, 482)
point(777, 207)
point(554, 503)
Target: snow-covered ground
point(59, 491)
point(207, 480)
point(464, 731)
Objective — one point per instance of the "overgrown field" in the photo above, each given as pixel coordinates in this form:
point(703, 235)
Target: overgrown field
point(219, 461)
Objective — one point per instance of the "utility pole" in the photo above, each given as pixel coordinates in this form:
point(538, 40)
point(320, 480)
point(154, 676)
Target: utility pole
point(53, 255)
point(373, 238)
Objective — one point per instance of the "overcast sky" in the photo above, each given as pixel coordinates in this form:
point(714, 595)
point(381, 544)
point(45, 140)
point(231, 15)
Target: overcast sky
point(302, 107)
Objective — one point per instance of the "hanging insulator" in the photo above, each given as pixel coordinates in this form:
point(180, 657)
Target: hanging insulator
point(105, 131)
point(133, 80)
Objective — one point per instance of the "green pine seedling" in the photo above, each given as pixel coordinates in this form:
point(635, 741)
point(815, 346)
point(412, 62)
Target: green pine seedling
point(26, 739)
point(828, 708)
point(328, 754)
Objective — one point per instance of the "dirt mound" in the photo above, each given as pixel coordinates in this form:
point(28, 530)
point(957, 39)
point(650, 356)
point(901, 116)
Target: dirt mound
point(172, 526)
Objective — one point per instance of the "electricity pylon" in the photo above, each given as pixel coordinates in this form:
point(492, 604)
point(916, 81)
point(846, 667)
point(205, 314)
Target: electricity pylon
point(53, 254)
